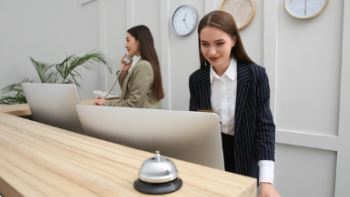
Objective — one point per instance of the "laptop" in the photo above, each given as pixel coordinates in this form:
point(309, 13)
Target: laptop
point(53, 104)
point(189, 136)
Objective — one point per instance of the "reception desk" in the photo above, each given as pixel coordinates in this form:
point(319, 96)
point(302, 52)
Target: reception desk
point(17, 110)
point(24, 110)
point(42, 160)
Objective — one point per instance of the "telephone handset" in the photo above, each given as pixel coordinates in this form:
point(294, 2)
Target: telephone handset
point(126, 60)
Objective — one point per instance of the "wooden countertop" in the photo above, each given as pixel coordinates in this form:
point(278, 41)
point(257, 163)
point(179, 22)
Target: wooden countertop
point(17, 109)
point(24, 109)
point(41, 160)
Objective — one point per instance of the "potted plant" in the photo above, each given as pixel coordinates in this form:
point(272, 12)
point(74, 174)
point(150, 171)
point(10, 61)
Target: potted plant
point(67, 71)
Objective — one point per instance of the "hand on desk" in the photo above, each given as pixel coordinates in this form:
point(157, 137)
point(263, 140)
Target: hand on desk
point(100, 101)
point(267, 190)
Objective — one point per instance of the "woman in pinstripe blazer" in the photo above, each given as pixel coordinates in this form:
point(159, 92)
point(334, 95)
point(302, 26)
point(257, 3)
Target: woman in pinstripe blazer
point(233, 86)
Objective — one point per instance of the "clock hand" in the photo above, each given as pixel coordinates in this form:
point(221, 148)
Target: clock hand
point(184, 21)
point(185, 24)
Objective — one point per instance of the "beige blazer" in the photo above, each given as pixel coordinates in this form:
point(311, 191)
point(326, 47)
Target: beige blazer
point(136, 88)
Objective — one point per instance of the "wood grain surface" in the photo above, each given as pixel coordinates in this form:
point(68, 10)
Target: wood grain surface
point(41, 160)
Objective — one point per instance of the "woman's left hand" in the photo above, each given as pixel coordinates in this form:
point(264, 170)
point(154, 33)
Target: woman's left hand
point(100, 101)
point(267, 190)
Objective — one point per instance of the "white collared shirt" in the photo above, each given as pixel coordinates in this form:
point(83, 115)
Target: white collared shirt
point(135, 59)
point(223, 96)
point(223, 102)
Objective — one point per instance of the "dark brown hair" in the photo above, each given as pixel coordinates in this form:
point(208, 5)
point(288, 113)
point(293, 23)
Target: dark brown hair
point(147, 51)
point(225, 22)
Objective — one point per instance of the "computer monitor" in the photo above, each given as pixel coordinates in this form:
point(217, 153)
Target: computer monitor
point(53, 104)
point(185, 135)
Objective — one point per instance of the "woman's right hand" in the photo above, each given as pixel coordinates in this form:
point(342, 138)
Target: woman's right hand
point(125, 64)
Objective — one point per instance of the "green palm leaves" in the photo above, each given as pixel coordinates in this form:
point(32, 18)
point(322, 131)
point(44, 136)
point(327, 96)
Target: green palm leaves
point(67, 71)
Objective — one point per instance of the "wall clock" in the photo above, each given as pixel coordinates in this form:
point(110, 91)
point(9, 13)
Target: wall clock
point(305, 9)
point(184, 20)
point(243, 11)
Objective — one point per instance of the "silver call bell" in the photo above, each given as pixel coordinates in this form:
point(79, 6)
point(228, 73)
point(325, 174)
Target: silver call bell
point(158, 175)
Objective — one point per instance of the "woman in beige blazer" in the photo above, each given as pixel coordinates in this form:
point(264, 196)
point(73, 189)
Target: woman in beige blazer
point(140, 79)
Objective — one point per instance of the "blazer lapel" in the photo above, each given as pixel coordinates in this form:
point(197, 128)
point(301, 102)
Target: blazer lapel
point(204, 81)
point(242, 91)
point(125, 85)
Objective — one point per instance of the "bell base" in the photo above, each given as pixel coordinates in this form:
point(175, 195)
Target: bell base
point(157, 188)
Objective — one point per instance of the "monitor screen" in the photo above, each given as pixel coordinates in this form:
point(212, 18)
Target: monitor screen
point(53, 104)
point(185, 135)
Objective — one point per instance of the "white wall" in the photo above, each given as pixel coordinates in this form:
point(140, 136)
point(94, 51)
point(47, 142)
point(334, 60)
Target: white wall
point(178, 55)
point(309, 76)
point(48, 31)
point(306, 61)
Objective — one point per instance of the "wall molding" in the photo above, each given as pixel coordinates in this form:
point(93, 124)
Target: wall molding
point(270, 48)
point(129, 16)
point(343, 156)
point(103, 39)
point(164, 53)
point(307, 139)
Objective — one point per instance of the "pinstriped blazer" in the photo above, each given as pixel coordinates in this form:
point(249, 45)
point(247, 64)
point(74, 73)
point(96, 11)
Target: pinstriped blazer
point(254, 126)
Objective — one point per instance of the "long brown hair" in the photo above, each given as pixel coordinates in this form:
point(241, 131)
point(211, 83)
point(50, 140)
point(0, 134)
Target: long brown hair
point(225, 22)
point(147, 51)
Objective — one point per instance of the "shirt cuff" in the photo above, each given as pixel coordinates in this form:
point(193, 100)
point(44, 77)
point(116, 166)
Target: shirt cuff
point(266, 171)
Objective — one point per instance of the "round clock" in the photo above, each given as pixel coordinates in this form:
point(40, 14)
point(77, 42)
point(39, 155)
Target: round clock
point(184, 20)
point(305, 9)
point(243, 11)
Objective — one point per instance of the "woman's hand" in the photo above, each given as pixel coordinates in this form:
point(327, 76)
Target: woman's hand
point(267, 190)
point(100, 101)
point(125, 64)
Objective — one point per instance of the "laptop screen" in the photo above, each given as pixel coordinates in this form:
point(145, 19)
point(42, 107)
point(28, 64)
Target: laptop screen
point(189, 136)
point(53, 104)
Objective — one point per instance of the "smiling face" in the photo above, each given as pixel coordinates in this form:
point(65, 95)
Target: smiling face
point(216, 46)
point(132, 45)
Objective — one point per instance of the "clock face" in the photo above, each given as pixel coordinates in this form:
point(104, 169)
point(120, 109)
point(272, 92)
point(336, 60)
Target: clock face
point(184, 20)
point(304, 9)
point(243, 11)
